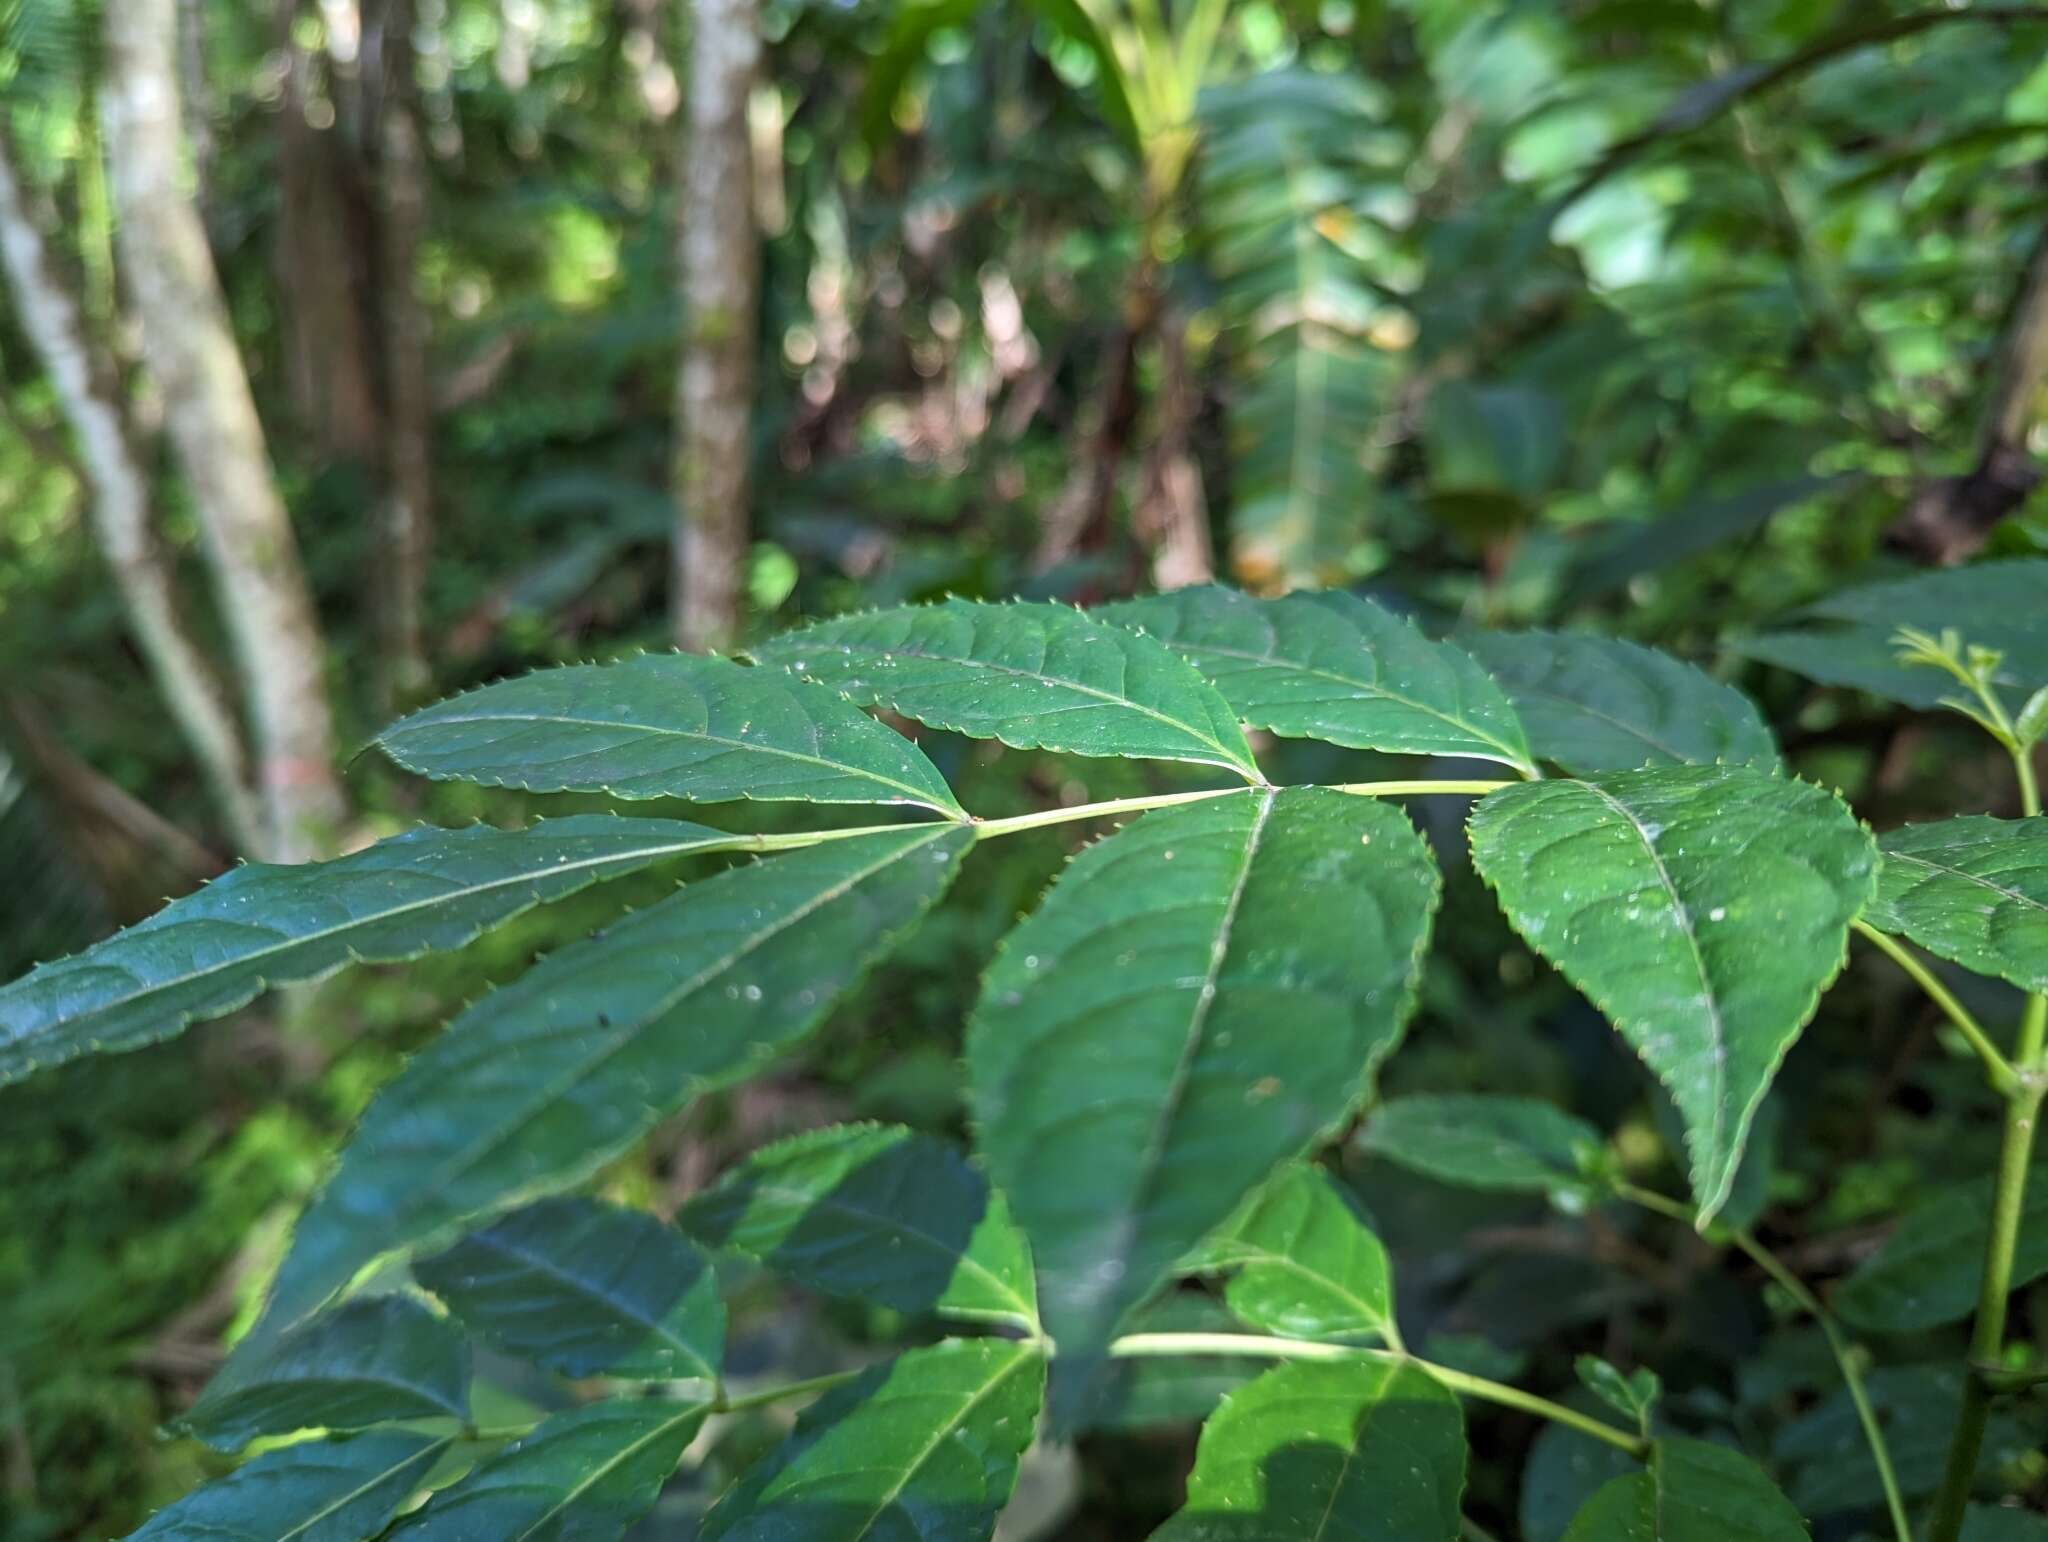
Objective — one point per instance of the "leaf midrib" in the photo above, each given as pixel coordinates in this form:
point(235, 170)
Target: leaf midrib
point(913, 652)
point(1018, 1355)
point(1963, 873)
point(605, 1468)
point(590, 1289)
point(630, 1034)
point(379, 918)
point(432, 1448)
point(917, 794)
point(1717, 1028)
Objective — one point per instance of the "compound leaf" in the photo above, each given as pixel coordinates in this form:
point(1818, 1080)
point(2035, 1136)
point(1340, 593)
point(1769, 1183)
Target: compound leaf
point(368, 1361)
point(544, 1080)
point(1973, 890)
point(1336, 668)
point(925, 1446)
point(1035, 676)
point(876, 1212)
point(1702, 909)
point(1355, 1449)
point(267, 924)
point(586, 1290)
point(1484, 1141)
point(1593, 704)
point(1691, 1492)
point(1201, 995)
point(315, 1491)
point(1308, 1266)
point(668, 725)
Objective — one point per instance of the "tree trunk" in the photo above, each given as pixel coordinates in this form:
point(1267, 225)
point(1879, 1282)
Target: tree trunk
point(121, 514)
point(214, 428)
point(720, 262)
point(408, 392)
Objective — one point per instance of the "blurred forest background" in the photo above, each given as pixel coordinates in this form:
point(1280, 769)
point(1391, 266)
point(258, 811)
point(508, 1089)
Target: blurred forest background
point(354, 352)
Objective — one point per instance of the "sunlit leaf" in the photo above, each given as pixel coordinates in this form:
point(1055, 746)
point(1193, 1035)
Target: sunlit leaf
point(1974, 890)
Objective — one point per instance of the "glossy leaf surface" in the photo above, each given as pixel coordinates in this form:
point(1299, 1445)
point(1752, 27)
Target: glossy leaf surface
point(544, 1080)
point(924, 1447)
point(876, 1212)
point(1364, 1450)
point(268, 924)
point(1973, 890)
point(581, 1476)
point(368, 1361)
point(1593, 704)
point(314, 1491)
point(1331, 667)
point(1307, 1265)
point(668, 725)
point(586, 1290)
point(1199, 996)
point(1702, 909)
point(1035, 676)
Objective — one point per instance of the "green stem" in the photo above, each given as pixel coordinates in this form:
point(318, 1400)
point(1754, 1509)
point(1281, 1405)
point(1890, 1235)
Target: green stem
point(788, 1389)
point(1997, 1069)
point(1138, 1345)
point(1843, 1351)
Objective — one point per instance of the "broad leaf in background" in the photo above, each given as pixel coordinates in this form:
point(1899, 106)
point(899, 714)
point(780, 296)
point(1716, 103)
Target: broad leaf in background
point(1998, 604)
point(1702, 909)
point(315, 1491)
point(1618, 552)
point(1565, 1469)
point(925, 1446)
point(2001, 1523)
point(543, 1081)
point(1973, 890)
point(1483, 1141)
point(586, 1290)
point(1692, 1492)
point(1035, 676)
point(1593, 704)
point(668, 725)
point(876, 1212)
point(1335, 668)
point(366, 1362)
point(264, 925)
point(1363, 1449)
point(1307, 1264)
point(1228, 973)
point(581, 1476)
point(1931, 1267)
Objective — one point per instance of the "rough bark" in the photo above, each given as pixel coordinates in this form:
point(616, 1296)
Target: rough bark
point(1951, 518)
point(213, 426)
point(122, 518)
point(401, 571)
point(720, 262)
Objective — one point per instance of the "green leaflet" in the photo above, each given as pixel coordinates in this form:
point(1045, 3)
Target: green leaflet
point(315, 1491)
point(586, 1290)
point(1594, 704)
point(1035, 676)
point(668, 725)
point(1692, 1492)
point(546, 1079)
point(925, 1446)
point(1308, 1266)
point(264, 925)
point(1973, 890)
point(1200, 996)
point(1564, 1470)
point(1361, 1450)
point(366, 1362)
point(1931, 1267)
point(581, 1476)
point(1481, 1141)
point(1634, 1396)
point(1335, 668)
point(1826, 1460)
point(1702, 909)
point(878, 1213)
point(1996, 1523)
